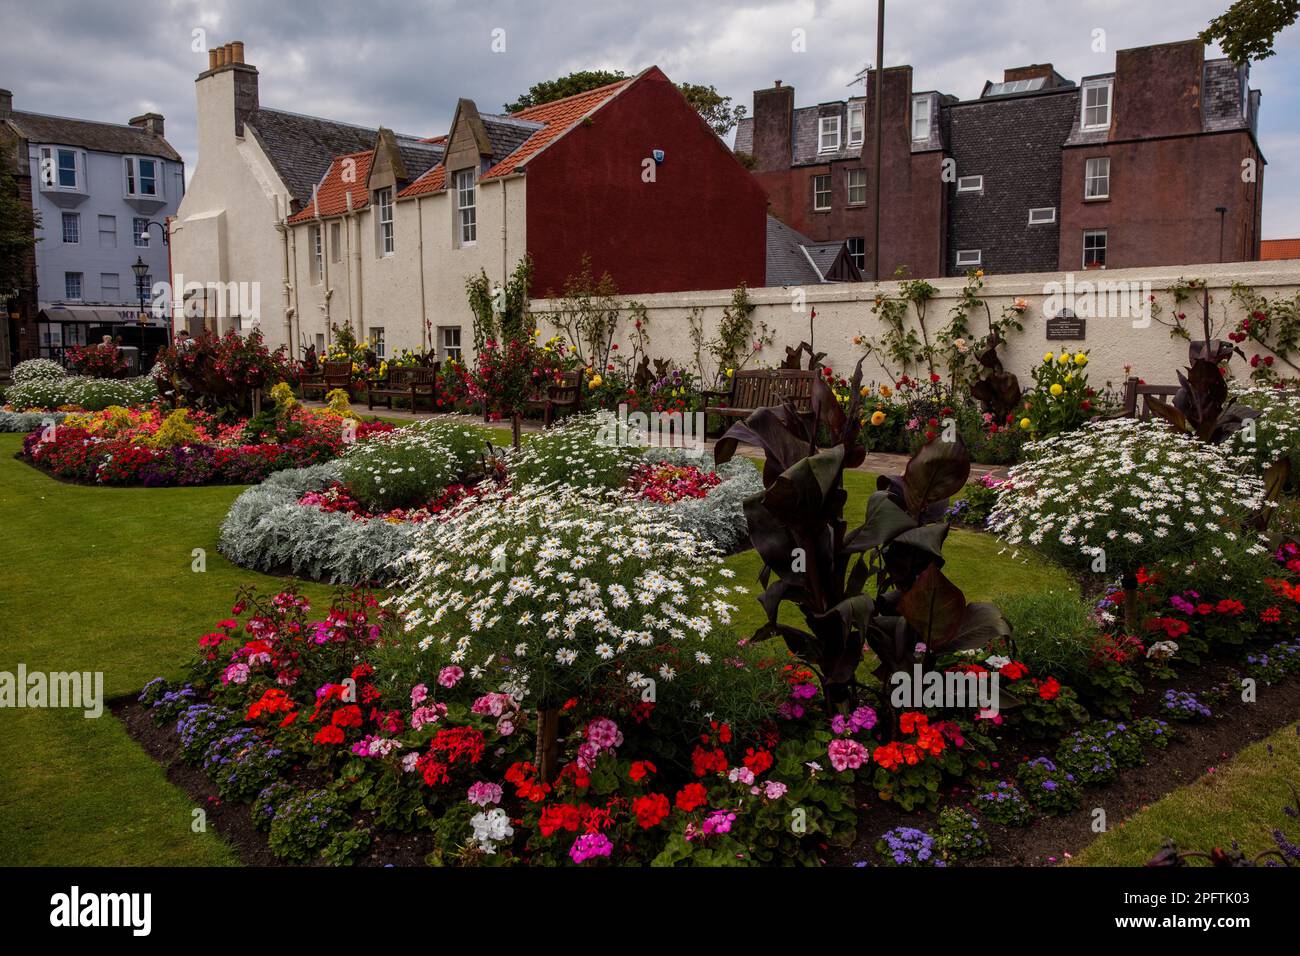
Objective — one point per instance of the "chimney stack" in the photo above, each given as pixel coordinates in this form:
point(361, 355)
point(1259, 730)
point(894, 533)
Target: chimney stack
point(230, 57)
point(773, 120)
point(6, 103)
point(151, 123)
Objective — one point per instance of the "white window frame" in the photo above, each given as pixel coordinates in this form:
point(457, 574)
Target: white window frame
point(73, 218)
point(859, 258)
point(849, 187)
point(970, 184)
point(1041, 220)
point(857, 136)
point(378, 342)
point(466, 208)
point(52, 156)
point(824, 145)
point(920, 119)
point(818, 192)
point(449, 351)
point(964, 257)
point(317, 255)
point(1105, 246)
point(133, 167)
point(385, 237)
point(140, 232)
point(1090, 177)
point(1109, 106)
point(81, 286)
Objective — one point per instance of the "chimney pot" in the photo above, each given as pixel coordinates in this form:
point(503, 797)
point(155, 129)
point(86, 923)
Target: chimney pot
point(212, 60)
point(777, 83)
point(237, 50)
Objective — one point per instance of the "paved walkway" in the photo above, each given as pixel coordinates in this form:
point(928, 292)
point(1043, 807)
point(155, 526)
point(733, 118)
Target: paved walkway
point(878, 463)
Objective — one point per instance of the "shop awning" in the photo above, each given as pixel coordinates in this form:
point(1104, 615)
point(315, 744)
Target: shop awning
point(88, 315)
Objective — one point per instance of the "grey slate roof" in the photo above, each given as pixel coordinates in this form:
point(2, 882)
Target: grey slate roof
point(794, 259)
point(88, 134)
point(745, 135)
point(804, 137)
point(787, 264)
point(1222, 89)
point(302, 147)
point(506, 133)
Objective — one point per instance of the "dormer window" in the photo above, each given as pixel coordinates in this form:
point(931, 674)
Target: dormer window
point(143, 179)
point(1097, 97)
point(920, 119)
point(828, 134)
point(857, 123)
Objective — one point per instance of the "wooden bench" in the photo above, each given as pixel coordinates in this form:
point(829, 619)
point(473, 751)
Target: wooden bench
point(1134, 389)
point(563, 395)
point(333, 375)
point(762, 388)
point(411, 382)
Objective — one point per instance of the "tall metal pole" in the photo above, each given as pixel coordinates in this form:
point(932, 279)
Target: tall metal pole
point(880, 104)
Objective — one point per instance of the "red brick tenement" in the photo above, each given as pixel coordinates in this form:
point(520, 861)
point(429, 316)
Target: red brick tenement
point(1155, 163)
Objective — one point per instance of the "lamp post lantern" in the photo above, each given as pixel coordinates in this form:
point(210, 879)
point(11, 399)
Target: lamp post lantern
point(141, 269)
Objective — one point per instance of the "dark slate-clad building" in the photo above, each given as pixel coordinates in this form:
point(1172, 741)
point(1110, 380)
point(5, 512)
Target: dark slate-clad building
point(1156, 163)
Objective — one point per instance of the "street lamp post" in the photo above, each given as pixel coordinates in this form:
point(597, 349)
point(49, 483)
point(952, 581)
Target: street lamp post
point(141, 269)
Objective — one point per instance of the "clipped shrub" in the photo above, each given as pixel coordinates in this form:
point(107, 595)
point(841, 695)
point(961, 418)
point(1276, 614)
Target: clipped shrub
point(266, 529)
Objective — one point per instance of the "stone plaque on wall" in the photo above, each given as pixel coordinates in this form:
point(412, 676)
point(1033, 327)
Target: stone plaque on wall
point(1066, 325)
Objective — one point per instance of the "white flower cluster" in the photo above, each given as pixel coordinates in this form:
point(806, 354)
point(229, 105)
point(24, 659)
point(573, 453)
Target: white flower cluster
point(413, 463)
point(37, 369)
point(587, 451)
point(544, 592)
point(1125, 491)
point(1275, 434)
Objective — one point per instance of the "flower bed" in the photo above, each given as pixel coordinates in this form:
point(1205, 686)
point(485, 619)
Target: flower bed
point(343, 524)
point(63, 391)
point(154, 448)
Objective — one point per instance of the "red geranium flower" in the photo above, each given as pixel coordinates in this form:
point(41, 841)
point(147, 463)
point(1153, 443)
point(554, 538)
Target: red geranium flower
point(650, 810)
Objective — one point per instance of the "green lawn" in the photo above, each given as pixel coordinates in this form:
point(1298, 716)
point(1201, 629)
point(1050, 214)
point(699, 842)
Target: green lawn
point(1242, 800)
point(100, 579)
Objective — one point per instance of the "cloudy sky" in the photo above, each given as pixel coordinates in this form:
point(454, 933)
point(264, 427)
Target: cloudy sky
point(403, 63)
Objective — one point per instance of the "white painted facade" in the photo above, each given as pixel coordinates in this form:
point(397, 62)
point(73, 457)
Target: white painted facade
point(419, 289)
point(229, 227)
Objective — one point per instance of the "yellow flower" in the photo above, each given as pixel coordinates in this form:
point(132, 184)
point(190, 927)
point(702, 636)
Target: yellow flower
point(1081, 359)
point(1069, 376)
point(1064, 359)
point(877, 417)
point(1024, 423)
point(1048, 357)
point(1056, 389)
point(864, 391)
point(730, 372)
point(886, 391)
point(594, 382)
point(979, 273)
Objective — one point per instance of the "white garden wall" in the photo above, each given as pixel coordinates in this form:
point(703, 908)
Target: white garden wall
point(1114, 338)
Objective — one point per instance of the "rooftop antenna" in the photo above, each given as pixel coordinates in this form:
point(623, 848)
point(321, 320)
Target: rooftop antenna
point(860, 76)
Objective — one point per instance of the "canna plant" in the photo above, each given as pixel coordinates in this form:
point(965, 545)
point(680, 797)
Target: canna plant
point(812, 561)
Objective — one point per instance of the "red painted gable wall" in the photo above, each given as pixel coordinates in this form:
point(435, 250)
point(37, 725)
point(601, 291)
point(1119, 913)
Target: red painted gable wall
point(701, 225)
